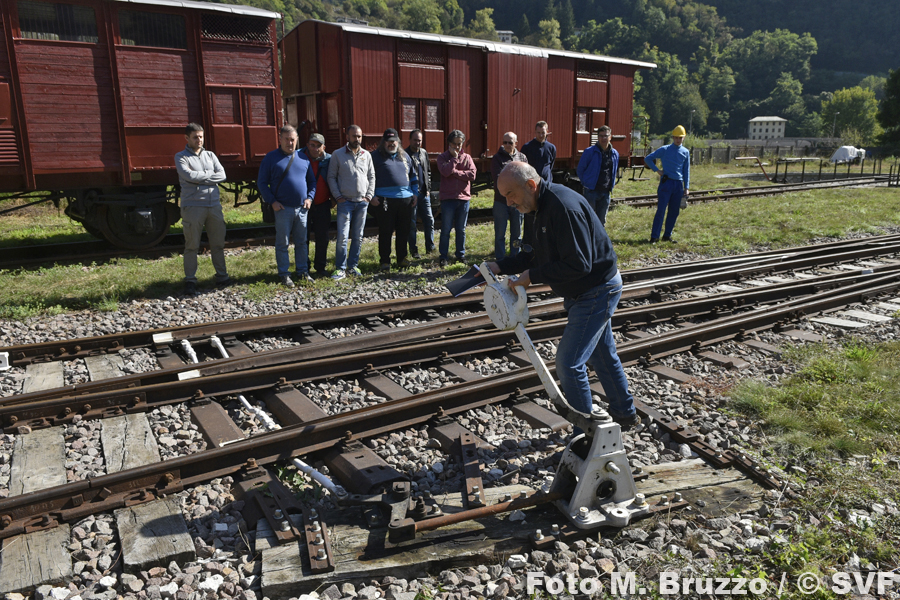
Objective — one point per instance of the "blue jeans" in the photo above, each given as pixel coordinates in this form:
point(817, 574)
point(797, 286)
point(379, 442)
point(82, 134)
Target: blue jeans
point(423, 211)
point(351, 219)
point(668, 196)
point(599, 201)
point(290, 222)
point(503, 214)
point(588, 339)
point(454, 214)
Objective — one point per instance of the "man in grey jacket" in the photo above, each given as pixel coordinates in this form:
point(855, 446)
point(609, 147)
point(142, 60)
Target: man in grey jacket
point(351, 178)
point(199, 173)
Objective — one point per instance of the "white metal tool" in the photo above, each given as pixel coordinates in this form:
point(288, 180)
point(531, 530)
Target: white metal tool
point(594, 470)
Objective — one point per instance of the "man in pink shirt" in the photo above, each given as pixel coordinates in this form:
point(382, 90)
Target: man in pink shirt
point(457, 174)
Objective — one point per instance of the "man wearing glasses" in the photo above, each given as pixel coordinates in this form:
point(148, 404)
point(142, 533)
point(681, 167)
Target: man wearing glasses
point(597, 171)
point(504, 214)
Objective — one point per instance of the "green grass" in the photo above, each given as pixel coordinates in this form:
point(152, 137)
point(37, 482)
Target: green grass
point(841, 402)
point(716, 228)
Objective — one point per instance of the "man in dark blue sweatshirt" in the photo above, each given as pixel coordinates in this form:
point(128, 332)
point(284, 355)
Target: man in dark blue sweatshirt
point(574, 256)
point(287, 182)
point(396, 193)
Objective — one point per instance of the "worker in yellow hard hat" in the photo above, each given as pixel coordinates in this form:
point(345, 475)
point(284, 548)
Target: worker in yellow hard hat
point(674, 178)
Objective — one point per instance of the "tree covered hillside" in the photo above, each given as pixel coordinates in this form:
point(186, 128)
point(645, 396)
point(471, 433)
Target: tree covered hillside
point(721, 62)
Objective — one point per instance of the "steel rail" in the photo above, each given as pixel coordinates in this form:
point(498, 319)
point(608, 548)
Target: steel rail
point(24, 354)
point(47, 508)
point(25, 410)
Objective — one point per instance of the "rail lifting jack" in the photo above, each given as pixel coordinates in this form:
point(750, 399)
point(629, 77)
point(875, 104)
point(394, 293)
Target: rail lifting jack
point(593, 477)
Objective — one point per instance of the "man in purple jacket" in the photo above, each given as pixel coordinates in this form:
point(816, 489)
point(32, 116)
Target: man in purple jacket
point(457, 174)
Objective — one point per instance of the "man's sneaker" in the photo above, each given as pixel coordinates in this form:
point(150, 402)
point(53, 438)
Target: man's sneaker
point(286, 281)
point(225, 282)
point(190, 288)
point(654, 240)
point(667, 238)
point(403, 264)
point(385, 267)
point(443, 262)
point(338, 274)
point(356, 272)
point(304, 277)
point(415, 254)
point(628, 422)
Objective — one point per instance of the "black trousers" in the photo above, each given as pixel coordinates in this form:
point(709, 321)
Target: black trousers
point(394, 215)
point(317, 227)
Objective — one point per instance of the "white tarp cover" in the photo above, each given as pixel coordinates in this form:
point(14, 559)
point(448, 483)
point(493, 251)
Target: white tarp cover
point(844, 154)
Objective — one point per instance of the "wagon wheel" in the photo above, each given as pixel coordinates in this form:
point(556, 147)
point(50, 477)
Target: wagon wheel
point(125, 228)
point(94, 231)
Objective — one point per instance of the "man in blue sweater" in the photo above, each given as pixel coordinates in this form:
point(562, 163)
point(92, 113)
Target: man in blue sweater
point(541, 155)
point(597, 171)
point(287, 182)
point(574, 256)
point(674, 180)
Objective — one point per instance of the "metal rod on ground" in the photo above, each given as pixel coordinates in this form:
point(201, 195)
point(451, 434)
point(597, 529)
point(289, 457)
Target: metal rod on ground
point(486, 511)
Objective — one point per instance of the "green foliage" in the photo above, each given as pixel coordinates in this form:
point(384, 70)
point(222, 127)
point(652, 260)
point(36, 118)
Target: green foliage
point(889, 112)
point(482, 26)
point(547, 35)
point(421, 15)
point(852, 110)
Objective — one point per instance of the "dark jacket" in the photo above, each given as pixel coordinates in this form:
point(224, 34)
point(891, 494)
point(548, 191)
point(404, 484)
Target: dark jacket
point(425, 171)
point(498, 162)
point(570, 249)
point(323, 192)
point(395, 175)
point(541, 156)
point(591, 165)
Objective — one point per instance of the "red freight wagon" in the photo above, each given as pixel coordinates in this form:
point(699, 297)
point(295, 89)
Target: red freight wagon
point(95, 95)
point(336, 74)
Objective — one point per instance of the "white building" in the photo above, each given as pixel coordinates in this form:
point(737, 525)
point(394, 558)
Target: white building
point(766, 128)
point(506, 36)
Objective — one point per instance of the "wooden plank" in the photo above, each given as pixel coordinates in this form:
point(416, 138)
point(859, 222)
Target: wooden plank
point(105, 366)
point(128, 442)
point(844, 323)
point(35, 559)
point(153, 535)
point(285, 570)
point(866, 316)
point(43, 376)
point(38, 462)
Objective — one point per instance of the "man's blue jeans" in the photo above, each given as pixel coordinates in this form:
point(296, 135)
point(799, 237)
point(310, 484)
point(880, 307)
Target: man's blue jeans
point(290, 222)
point(422, 210)
point(588, 339)
point(600, 202)
point(351, 219)
point(669, 196)
point(454, 214)
point(503, 214)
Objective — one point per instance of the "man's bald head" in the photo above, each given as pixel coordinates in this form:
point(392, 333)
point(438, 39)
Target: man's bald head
point(519, 183)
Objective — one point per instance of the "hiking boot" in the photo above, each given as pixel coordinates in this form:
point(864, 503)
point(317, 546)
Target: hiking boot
point(304, 278)
point(225, 282)
point(190, 288)
point(286, 281)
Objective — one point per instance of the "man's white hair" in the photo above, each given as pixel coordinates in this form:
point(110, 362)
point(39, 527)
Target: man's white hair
point(520, 173)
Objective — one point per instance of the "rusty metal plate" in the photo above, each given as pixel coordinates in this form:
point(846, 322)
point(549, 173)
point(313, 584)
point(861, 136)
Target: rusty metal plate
point(318, 542)
point(539, 417)
point(360, 470)
point(472, 469)
point(215, 425)
point(291, 406)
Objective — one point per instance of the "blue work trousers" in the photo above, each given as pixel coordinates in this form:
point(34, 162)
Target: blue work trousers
point(669, 196)
point(588, 340)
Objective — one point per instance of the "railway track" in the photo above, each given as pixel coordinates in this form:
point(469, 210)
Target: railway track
point(371, 396)
point(249, 237)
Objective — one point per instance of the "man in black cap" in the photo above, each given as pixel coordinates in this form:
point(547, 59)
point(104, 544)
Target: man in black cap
point(396, 191)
